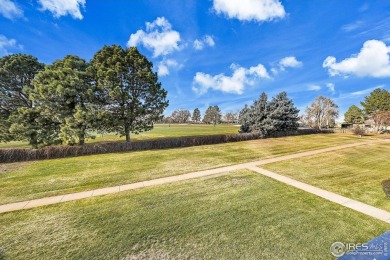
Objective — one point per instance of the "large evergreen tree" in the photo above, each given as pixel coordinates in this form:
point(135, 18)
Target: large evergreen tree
point(377, 107)
point(16, 74)
point(63, 93)
point(253, 118)
point(354, 115)
point(128, 90)
point(242, 114)
point(258, 115)
point(378, 100)
point(282, 115)
point(266, 118)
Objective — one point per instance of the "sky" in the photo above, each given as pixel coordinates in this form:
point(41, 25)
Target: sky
point(220, 52)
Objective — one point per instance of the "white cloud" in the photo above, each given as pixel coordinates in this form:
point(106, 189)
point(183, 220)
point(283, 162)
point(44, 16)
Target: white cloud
point(165, 65)
point(352, 95)
point(331, 87)
point(352, 26)
point(207, 40)
point(365, 91)
point(274, 71)
point(6, 44)
point(63, 7)
point(236, 83)
point(286, 62)
point(314, 87)
point(158, 37)
point(163, 70)
point(10, 10)
point(250, 10)
point(372, 61)
point(289, 62)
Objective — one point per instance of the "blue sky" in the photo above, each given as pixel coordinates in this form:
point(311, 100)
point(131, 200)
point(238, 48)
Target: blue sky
point(220, 52)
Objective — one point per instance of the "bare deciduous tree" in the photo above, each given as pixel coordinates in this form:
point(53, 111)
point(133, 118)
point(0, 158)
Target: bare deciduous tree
point(231, 118)
point(212, 115)
point(322, 113)
point(381, 119)
point(181, 115)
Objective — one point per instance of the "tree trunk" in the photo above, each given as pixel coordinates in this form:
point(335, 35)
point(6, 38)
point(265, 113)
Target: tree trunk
point(33, 140)
point(127, 133)
point(82, 136)
point(127, 130)
point(81, 140)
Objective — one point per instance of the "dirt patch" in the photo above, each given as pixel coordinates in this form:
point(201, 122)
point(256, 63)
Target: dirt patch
point(8, 167)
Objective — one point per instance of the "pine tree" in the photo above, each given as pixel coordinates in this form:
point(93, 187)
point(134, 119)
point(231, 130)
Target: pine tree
point(354, 115)
point(266, 118)
point(378, 100)
point(377, 106)
point(258, 115)
point(16, 74)
point(282, 115)
point(63, 93)
point(128, 89)
point(242, 114)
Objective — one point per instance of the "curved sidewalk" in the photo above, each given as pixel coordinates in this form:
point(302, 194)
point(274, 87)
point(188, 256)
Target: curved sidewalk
point(364, 208)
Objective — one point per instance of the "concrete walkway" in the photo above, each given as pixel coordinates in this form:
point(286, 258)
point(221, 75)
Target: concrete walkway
point(358, 206)
point(344, 201)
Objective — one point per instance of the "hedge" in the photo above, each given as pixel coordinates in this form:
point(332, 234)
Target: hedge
point(9, 155)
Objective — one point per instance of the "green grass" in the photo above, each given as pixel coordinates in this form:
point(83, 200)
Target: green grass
point(15, 144)
point(355, 173)
point(241, 215)
point(160, 131)
point(23, 181)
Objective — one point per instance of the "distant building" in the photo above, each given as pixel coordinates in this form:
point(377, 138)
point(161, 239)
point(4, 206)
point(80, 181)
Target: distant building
point(369, 123)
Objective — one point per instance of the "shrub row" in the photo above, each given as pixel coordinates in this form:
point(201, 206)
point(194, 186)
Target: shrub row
point(52, 152)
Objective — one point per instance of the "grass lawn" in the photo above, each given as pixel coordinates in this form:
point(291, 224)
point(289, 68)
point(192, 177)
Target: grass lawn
point(15, 144)
point(379, 136)
point(355, 172)
point(23, 181)
point(174, 130)
point(160, 131)
point(241, 215)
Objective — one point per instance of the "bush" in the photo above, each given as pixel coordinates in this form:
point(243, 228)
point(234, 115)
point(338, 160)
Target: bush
point(52, 152)
point(358, 131)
